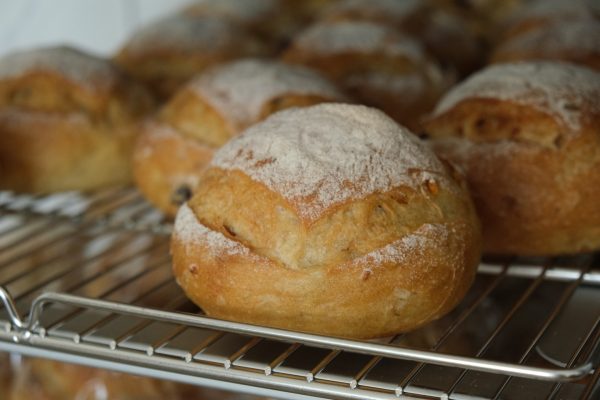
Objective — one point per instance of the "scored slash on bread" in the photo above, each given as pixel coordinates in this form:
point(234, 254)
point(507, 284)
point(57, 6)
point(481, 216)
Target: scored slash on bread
point(329, 219)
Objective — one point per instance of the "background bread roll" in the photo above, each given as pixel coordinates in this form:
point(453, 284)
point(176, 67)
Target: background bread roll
point(528, 137)
point(375, 64)
point(446, 35)
point(216, 106)
point(66, 121)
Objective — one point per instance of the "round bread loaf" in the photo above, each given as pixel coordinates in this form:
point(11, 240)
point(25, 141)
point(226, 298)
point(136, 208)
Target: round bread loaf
point(528, 137)
point(576, 41)
point(433, 27)
point(330, 219)
point(66, 121)
point(170, 51)
point(374, 63)
point(216, 106)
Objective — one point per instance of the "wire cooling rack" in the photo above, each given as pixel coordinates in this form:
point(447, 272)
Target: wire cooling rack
point(86, 279)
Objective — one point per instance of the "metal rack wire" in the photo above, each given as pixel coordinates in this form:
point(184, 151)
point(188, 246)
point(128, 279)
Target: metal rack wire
point(87, 279)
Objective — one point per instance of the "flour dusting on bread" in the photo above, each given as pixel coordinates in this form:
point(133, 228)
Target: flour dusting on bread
point(415, 243)
point(328, 154)
point(82, 69)
point(362, 37)
point(192, 233)
point(241, 89)
point(201, 34)
point(558, 89)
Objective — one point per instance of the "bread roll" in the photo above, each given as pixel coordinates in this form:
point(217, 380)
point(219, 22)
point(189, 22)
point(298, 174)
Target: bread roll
point(432, 27)
point(66, 121)
point(167, 53)
point(528, 137)
point(374, 63)
point(173, 149)
point(330, 219)
point(576, 41)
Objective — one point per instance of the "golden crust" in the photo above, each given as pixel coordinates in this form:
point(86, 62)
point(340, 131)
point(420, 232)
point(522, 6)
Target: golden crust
point(166, 162)
point(194, 117)
point(382, 263)
point(65, 80)
point(363, 299)
point(536, 188)
point(45, 153)
point(51, 92)
point(47, 91)
point(341, 233)
point(174, 149)
point(240, 93)
point(487, 120)
point(66, 127)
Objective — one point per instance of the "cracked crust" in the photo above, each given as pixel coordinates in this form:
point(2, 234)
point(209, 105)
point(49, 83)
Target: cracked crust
point(383, 263)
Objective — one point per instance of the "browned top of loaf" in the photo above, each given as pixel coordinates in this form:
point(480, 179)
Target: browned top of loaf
point(567, 93)
point(63, 79)
point(81, 69)
point(363, 37)
point(239, 90)
point(326, 155)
